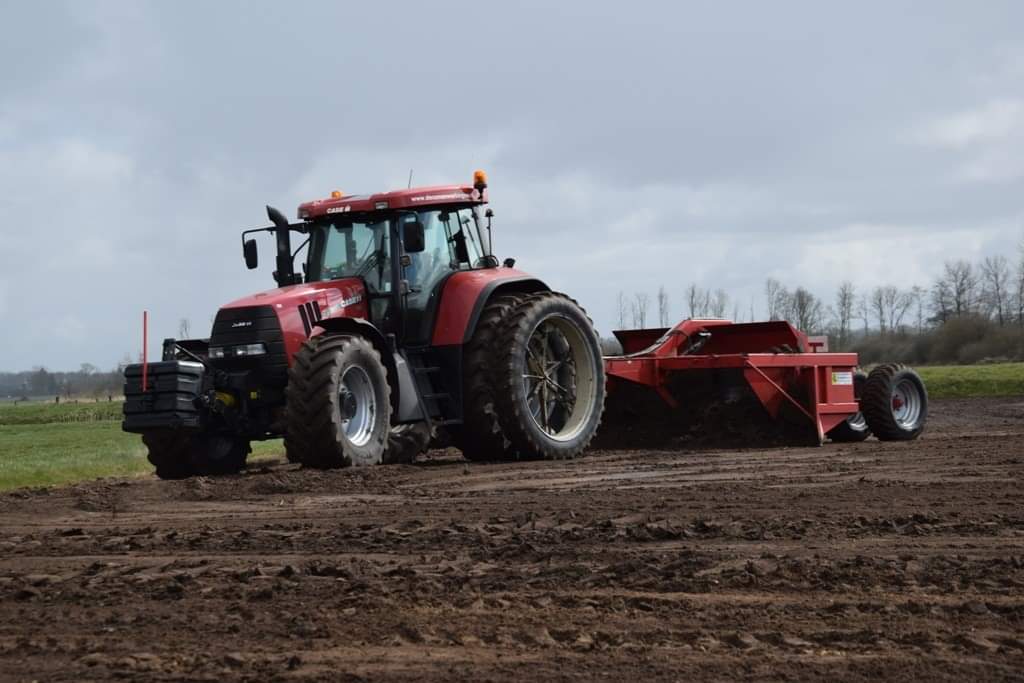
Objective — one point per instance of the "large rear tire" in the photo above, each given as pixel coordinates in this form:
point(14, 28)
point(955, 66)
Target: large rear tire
point(895, 403)
point(551, 381)
point(854, 428)
point(339, 404)
point(480, 437)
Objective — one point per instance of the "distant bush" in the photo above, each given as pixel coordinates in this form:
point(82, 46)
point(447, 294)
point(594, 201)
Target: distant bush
point(965, 340)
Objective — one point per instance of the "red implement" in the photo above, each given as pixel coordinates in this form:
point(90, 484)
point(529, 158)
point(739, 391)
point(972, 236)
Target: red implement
point(780, 364)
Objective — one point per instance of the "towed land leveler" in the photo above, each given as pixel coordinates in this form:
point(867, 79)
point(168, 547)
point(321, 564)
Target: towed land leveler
point(792, 375)
point(403, 328)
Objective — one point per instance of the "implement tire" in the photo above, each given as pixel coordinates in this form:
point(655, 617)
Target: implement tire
point(480, 437)
point(895, 403)
point(854, 428)
point(339, 404)
point(551, 381)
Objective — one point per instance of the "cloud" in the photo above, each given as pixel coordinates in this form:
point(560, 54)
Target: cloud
point(988, 140)
point(626, 149)
point(992, 122)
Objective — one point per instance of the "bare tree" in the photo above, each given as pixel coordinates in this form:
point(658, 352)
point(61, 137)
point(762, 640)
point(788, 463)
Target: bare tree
point(864, 312)
point(917, 294)
point(995, 271)
point(698, 300)
point(183, 328)
point(776, 297)
point(623, 306)
point(878, 308)
point(806, 311)
point(846, 298)
point(719, 303)
point(963, 285)
point(641, 302)
point(942, 300)
point(890, 306)
point(897, 303)
point(662, 307)
point(1019, 278)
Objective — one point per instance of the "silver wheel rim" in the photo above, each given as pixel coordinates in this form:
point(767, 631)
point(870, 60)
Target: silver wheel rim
point(559, 380)
point(857, 422)
point(358, 405)
point(906, 404)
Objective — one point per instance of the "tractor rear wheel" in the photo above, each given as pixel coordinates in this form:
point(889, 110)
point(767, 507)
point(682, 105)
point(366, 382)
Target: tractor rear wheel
point(480, 437)
point(854, 428)
point(895, 403)
point(339, 403)
point(551, 383)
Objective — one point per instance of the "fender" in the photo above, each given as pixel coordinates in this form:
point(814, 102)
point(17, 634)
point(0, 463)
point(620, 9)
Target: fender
point(397, 378)
point(466, 293)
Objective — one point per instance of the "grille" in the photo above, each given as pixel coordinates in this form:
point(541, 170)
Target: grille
point(249, 325)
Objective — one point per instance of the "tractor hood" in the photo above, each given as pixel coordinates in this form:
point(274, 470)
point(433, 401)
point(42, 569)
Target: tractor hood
point(300, 307)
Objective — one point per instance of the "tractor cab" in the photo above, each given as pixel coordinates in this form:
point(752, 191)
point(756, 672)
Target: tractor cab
point(402, 258)
point(401, 246)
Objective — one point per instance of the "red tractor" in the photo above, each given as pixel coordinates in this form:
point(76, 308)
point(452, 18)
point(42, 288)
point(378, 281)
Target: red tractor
point(402, 323)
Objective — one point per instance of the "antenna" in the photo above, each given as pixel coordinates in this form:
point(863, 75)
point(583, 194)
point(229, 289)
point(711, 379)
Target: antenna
point(410, 179)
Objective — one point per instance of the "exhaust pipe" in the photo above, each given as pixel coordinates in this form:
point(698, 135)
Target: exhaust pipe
point(285, 274)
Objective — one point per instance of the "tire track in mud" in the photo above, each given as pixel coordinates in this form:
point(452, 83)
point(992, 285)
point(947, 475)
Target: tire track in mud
point(846, 562)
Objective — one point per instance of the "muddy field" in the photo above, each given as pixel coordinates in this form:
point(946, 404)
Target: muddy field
point(846, 562)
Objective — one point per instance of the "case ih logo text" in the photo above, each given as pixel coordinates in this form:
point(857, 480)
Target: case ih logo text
point(242, 323)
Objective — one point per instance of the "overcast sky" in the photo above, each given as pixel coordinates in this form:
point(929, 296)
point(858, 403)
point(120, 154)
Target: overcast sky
point(628, 145)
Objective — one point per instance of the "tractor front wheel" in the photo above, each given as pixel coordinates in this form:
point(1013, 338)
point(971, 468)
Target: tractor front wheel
point(550, 378)
point(339, 404)
point(169, 453)
point(178, 455)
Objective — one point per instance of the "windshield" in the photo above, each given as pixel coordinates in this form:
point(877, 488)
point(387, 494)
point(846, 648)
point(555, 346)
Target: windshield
point(344, 247)
point(347, 248)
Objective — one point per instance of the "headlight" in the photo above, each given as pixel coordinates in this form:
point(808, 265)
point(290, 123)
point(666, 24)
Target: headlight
point(242, 350)
point(258, 349)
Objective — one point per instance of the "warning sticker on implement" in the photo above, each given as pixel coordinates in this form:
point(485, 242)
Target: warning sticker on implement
point(842, 378)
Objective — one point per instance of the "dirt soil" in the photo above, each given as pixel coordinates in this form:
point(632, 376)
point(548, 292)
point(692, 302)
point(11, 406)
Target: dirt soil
point(894, 560)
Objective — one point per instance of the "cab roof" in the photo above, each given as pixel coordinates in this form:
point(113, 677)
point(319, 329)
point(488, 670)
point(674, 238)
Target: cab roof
point(412, 198)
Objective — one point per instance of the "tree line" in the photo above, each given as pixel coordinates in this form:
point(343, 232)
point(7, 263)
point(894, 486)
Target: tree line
point(87, 382)
point(971, 312)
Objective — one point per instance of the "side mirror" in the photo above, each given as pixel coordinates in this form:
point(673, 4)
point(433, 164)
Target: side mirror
point(413, 237)
point(252, 258)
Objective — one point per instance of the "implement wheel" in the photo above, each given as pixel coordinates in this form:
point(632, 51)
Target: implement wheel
point(854, 428)
point(339, 404)
point(895, 403)
point(550, 374)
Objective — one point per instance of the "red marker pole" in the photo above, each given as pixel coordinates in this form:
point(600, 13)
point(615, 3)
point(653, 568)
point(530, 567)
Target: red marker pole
point(145, 347)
